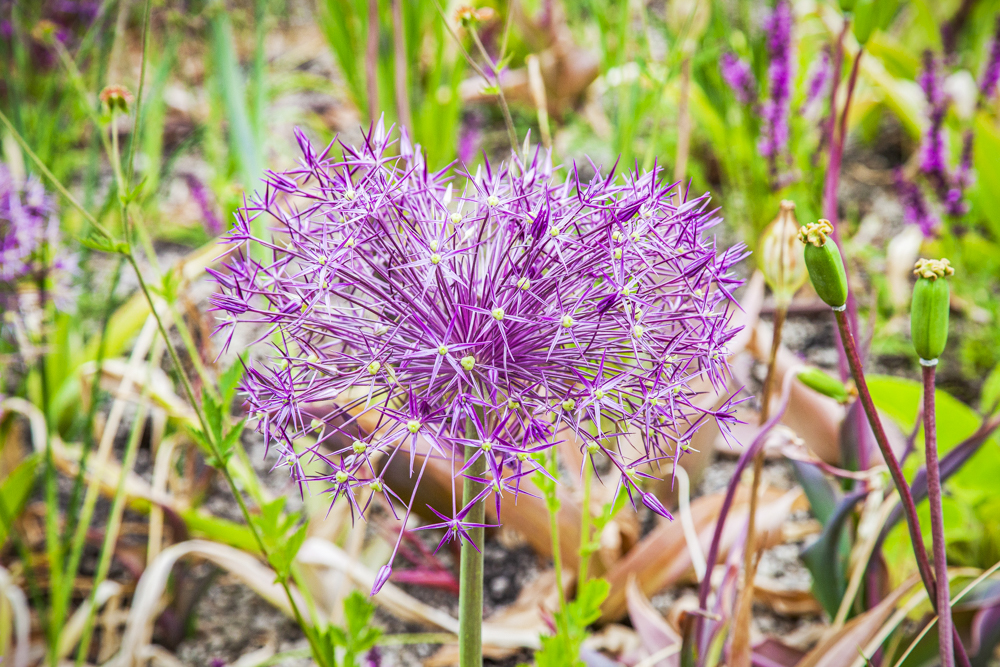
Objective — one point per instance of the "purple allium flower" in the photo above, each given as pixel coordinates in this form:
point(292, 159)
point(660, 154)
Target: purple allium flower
point(991, 73)
point(413, 316)
point(934, 151)
point(818, 79)
point(916, 210)
point(739, 77)
point(27, 221)
point(201, 196)
point(773, 141)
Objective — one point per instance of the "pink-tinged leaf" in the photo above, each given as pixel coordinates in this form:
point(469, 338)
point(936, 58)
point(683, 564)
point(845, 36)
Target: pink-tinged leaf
point(653, 629)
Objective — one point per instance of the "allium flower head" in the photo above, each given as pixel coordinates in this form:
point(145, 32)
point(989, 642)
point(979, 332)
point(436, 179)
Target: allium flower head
point(414, 317)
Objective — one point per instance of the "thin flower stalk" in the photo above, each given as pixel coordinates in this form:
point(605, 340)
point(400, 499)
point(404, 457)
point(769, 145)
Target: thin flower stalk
point(945, 624)
point(906, 498)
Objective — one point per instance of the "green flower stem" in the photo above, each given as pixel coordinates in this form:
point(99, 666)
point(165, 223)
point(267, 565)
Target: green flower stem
point(126, 252)
point(906, 498)
point(585, 539)
point(945, 639)
point(470, 596)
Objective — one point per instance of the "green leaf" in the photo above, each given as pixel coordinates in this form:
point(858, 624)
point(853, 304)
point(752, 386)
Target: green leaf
point(230, 380)
point(563, 648)
point(14, 491)
point(823, 557)
point(203, 524)
point(986, 146)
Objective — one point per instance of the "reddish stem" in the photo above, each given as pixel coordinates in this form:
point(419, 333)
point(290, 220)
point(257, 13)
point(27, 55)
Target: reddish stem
point(945, 625)
point(906, 498)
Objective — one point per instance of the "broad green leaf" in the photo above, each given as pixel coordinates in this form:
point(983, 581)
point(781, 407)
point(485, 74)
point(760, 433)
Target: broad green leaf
point(15, 489)
point(986, 148)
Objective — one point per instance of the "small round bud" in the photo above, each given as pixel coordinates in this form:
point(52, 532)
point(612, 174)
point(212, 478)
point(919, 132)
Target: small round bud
point(618, 253)
point(350, 194)
point(554, 231)
point(781, 258)
point(513, 404)
point(522, 456)
point(316, 425)
point(593, 448)
point(929, 310)
point(116, 98)
point(498, 314)
point(443, 350)
point(486, 446)
point(433, 245)
point(435, 258)
point(376, 485)
point(524, 284)
point(341, 477)
point(826, 266)
point(599, 394)
point(359, 447)
point(468, 363)
point(569, 404)
point(455, 218)
point(374, 367)
point(567, 321)
point(413, 425)
point(492, 201)
point(638, 330)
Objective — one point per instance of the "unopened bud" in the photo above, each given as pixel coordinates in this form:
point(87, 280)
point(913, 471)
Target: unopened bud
point(781, 257)
point(116, 97)
point(929, 310)
point(826, 266)
point(468, 363)
point(820, 382)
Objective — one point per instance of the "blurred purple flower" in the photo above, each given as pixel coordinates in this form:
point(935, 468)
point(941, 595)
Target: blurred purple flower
point(739, 77)
point(488, 312)
point(933, 150)
point(27, 221)
point(818, 79)
point(773, 141)
point(202, 197)
point(916, 210)
point(991, 73)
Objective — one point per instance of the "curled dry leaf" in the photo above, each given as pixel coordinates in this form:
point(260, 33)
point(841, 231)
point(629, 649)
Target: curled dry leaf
point(662, 558)
point(316, 552)
point(153, 583)
point(657, 635)
point(14, 599)
point(813, 417)
point(841, 648)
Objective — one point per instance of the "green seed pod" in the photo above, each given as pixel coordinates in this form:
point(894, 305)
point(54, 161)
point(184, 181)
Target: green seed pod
point(929, 310)
point(780, 255)
point(820, 382)
point(826, 266)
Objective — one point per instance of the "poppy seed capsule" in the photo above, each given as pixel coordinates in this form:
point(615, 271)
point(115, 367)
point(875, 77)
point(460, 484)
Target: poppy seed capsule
point(826, 266)
point(780, 255)
point(929, 310)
